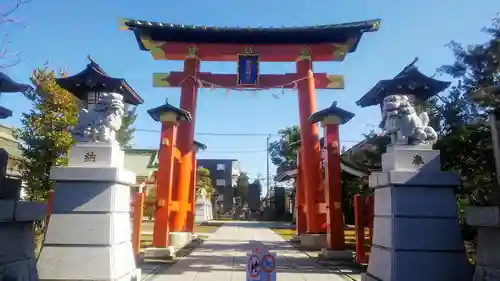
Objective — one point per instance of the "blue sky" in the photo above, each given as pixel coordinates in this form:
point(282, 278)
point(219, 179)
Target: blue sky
point(65, 32)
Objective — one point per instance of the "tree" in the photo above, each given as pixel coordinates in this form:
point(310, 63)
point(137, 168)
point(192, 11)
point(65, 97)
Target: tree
point(241, 188)
point(44, 136)
point(466, 144)
point(282, 152)
point(126, 134)
point(8, 57)
point(204, 182)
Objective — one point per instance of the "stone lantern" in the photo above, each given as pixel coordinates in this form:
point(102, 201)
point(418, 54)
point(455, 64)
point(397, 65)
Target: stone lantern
point(416, 232)
point(487, 218)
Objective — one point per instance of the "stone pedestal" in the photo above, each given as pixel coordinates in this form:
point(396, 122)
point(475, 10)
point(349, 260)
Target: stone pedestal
point(17, 239)
point(296, 239)
point(89, 233)
point(179, 239)
point(416, 232)
point(202, 210)
point(327, 254)
point(487, 219)
point(309, 241)
point(209, 210)
point(176, 240)
point(159, 253)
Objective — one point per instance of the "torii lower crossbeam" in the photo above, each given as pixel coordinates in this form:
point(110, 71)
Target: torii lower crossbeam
point(288, 80)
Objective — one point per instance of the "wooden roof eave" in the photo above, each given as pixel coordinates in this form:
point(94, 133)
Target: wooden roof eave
point(345, 30)
point(344, 166)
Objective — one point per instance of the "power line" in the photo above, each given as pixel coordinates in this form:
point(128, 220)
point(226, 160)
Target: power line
point(234, 134)
point(215, 134)
point(232, 151)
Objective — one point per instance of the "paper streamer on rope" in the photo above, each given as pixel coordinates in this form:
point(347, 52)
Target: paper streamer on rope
point(205, 84)
point(200, 83)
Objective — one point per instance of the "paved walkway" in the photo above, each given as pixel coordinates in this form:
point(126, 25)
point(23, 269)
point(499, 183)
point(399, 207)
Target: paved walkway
point(222, 257)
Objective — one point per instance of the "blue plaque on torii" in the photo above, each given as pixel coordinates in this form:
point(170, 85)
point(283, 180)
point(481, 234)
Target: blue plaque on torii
point(248, 70)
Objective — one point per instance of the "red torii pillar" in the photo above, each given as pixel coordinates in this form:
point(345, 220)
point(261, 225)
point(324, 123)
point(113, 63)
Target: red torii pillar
point(300, 215)
point(192, 190)
point(185, 140)
point(192, 198)
point(330, 119)
point(169, 116)
point(311, 155)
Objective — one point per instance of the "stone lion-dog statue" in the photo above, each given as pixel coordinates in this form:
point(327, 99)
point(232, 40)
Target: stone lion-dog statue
point(402, 123)
point(102, 122)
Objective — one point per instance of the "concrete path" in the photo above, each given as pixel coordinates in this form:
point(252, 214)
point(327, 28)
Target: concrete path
point(223, 257)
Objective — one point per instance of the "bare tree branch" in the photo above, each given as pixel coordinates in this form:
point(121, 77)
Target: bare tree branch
point(8, 58)
point(5, 16)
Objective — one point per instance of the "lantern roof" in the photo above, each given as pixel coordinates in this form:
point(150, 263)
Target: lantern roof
point(200, 145)
point(5, 112)
point(409, 81)
point(344, 115)
point(94, 79)
point(182, 115)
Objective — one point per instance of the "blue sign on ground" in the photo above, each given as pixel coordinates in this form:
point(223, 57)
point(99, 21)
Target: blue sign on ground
point(261, 266)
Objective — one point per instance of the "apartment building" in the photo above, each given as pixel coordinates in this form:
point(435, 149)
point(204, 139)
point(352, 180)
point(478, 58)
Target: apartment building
point(224, 174)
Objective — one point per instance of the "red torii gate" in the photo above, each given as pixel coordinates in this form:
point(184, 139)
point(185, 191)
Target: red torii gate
point(249, 47)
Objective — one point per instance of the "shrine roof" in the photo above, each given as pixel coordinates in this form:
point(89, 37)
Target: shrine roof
point(331, 33)
point(93, 78)
point(7, 85)
point(409, 79)
point(344, 115)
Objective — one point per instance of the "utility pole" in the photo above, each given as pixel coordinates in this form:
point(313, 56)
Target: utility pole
point(268, 182)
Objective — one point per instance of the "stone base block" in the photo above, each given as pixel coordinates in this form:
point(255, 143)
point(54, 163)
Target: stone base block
point(310, 241)
point(487, 254)
point(159, 253)
point(179, 239)
point(21, 270)
point(30, 211)
point(401, 157)
point(96, 154)
point(368, 277)
point(88, 229)
point(335, 254)
point(17, 242)
point(21, 211)
point(483, 273)
point(417, 265)
point(483, 215)
point(107, 263)
point(296, 239)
